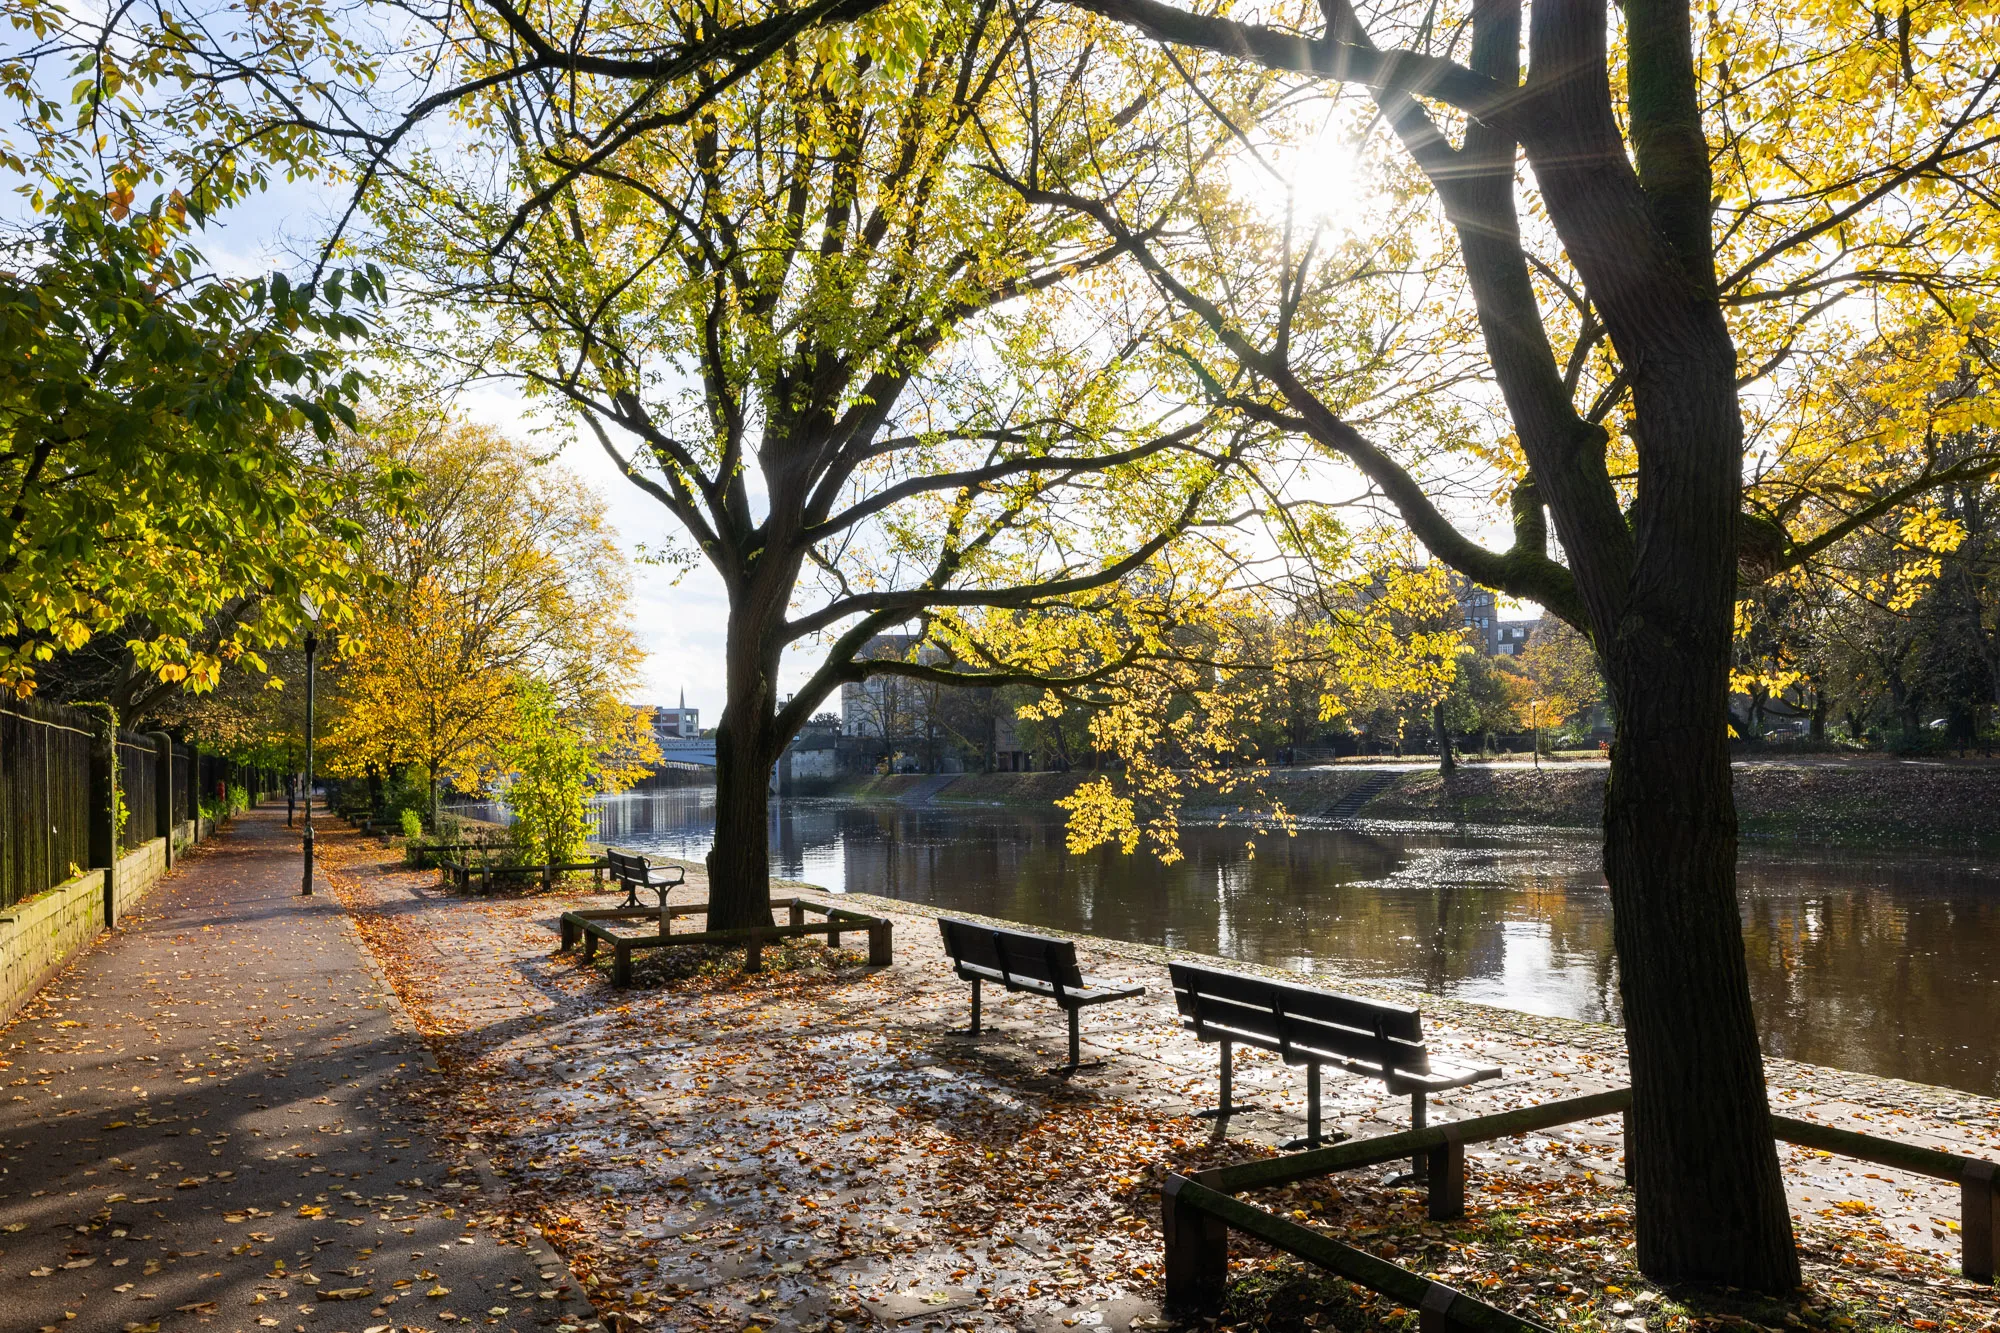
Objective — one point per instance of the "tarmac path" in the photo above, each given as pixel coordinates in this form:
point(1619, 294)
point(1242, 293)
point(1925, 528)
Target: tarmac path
point(215, 1118)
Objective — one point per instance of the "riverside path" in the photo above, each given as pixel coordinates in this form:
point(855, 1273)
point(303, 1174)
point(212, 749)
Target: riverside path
point(216, 1118)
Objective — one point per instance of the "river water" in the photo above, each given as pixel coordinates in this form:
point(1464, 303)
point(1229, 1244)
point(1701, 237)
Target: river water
point(1885, 963)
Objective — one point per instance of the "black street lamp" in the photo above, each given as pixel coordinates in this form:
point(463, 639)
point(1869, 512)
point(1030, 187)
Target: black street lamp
point(312, 646)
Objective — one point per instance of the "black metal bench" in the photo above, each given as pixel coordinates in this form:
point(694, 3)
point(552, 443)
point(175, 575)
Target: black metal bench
point(1038, 964)
point(1315, 1028)
point(634, 873)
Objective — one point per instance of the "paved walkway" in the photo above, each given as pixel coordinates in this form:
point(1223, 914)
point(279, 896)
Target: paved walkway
point(215, 1119)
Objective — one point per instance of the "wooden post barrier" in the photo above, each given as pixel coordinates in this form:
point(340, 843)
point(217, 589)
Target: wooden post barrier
point(1202, 1217)
point(1979, 1210)
point(1199, 1209)
point(1197, 1248)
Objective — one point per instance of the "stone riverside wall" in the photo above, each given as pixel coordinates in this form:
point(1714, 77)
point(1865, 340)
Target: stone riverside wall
point(1857, 802)
point(41, 934)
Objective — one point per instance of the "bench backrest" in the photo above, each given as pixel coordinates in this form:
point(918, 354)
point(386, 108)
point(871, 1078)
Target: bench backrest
point(1016, 954)
point(1297, 1021)
point(624, 865)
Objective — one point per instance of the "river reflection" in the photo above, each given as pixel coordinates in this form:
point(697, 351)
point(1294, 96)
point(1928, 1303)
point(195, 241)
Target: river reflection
point(1864, 961)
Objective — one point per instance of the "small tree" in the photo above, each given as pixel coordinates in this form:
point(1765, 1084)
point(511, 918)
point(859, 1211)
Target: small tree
point(557, 766)
point(552, 770)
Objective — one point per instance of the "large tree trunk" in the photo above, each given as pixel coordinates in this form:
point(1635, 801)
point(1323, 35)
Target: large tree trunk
point(739, 864)
point(1702, 1161)
point(1445, 761)
point(1711, 1203)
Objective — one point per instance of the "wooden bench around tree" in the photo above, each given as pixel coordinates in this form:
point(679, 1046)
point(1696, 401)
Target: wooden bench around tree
point(1315, 1028)
point(1037, 964)
point(592, 927)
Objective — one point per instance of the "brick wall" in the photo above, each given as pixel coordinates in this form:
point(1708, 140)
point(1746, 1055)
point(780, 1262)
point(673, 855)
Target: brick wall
point(39, 935)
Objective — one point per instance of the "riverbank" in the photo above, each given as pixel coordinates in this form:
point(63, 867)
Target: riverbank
point(819, 1148)
point(1866, 802)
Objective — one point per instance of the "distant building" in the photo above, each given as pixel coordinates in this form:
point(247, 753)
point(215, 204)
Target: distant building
point(1494, 636)
point(813, 755)
point(880, 706)
point(677, 724)
point(1511, 637)
point(1481, 611)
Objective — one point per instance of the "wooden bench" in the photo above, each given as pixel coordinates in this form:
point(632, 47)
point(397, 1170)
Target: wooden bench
point(591, 928)
point(1038, 964)
point(461, 873)
point(424, 854)
point(1315, 1028)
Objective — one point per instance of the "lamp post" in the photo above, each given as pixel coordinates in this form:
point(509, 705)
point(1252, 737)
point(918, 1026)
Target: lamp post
point(1534, 721)
point(312, 647)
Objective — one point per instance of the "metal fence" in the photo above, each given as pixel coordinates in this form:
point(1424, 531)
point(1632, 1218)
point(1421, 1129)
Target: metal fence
point(44, 797)
point(139, 786)
point(57, 812)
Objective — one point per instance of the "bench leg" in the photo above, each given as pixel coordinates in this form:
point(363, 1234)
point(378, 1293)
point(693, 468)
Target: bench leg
point(1075, 1012)
point(1228, 1105)
point(1447, 1179)
point(1312, 1138)
point(1419, 1117)
point(973, 1031)
point(621, 966)
point(1979, 1221)
point(1197, 1254)
point(881, 943)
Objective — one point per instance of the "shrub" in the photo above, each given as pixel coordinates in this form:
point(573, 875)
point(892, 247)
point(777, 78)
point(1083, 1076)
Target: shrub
point(550, 794)
point(413, 824)
point(403, 792)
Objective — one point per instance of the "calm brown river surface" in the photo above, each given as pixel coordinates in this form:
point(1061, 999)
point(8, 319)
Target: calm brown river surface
point(1887, 963)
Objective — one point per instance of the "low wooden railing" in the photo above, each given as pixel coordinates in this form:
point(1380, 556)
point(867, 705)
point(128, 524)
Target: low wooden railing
point(1200, 1209)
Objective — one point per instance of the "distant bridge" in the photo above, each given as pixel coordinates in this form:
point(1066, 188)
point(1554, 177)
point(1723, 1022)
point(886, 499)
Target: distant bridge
point(690, 753)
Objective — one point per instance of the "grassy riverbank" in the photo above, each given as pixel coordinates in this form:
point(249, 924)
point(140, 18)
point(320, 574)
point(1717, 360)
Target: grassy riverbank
point(1848, 802)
